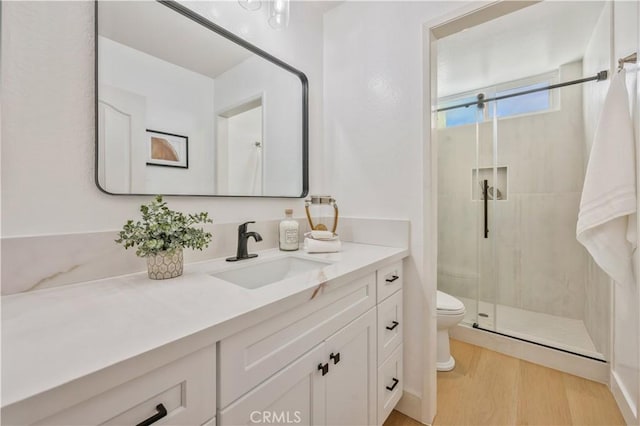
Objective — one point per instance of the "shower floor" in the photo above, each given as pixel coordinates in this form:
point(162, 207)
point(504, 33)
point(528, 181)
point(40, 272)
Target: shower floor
point(563, 333)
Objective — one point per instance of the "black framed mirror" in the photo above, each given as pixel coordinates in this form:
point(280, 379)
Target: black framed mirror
point(185, 107)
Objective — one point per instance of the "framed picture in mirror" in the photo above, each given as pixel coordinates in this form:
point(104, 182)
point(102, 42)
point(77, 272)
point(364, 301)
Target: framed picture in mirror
point(167, 149)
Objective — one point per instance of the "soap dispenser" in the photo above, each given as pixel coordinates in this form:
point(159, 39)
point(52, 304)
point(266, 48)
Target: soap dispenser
point(288, 232)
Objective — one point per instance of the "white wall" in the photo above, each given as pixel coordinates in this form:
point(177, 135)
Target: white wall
point(48, 116)
point(244, 158)
point(626, 323)
point(373, 65)
point(281, 100)
point(617, 36)
point(184, 107)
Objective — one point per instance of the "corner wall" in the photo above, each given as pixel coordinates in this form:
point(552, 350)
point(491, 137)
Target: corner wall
point(626, 299)
point(373, 109)
point(127, 71)
point(617, 36)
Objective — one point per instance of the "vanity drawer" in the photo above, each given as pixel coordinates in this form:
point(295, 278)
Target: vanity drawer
point(252, 355)
point(389, 325)
point(185, 388)
point(389, 280)
point(389, 384)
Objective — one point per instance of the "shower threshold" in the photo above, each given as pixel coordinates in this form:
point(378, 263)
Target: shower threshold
point(565, 334)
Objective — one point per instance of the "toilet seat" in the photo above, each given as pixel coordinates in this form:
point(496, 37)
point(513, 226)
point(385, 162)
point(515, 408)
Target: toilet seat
point(444, 313)
point(448, 305)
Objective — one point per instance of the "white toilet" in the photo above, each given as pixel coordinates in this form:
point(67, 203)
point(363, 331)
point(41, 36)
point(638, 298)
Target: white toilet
point(450, 311)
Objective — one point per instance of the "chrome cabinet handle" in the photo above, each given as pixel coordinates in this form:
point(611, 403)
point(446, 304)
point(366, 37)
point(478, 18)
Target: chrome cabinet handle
point(395, 324)
point(395, 383)
point(162, 412)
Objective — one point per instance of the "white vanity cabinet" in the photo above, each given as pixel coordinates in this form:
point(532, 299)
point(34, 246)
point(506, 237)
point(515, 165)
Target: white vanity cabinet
point(333, 356)
point(323, 363)
point(316, 363)
point(181, 392)
point(256, 353)
point(332, 384)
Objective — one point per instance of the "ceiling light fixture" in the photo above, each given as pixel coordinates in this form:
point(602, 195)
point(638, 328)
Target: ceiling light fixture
point(251, 5)
point(278, 11)
point(279, 14)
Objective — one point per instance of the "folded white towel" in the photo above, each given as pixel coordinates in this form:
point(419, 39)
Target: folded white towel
point(322, 235)
point(607, 218)
point(319, 246)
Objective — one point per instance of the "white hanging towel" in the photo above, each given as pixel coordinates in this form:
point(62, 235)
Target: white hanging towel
point(607, 218)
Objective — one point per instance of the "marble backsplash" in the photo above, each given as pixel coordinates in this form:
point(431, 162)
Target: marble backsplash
point(39, 262)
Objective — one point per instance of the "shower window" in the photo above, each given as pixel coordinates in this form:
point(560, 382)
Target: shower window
point(526, 104)
point(459, 116)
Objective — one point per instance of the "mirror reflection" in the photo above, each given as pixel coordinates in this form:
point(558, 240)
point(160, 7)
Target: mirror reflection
point(184, 110)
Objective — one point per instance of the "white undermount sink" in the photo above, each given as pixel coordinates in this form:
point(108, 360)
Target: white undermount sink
point(256, 275)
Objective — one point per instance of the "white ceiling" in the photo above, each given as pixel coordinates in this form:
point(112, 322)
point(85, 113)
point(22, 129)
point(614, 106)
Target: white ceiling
point(322, 6)
point(531, 41)
point(153, 28)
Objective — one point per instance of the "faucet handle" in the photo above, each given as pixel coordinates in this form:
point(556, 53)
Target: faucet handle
point(243, 227)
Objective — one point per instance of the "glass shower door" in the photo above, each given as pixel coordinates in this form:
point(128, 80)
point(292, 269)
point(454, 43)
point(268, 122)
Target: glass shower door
point(533, 274)
point(488, 189)
point(465, 157)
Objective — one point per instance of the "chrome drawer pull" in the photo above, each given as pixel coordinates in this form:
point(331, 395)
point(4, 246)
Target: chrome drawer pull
point(395, 324)
point(395, 383)
point(162, 412)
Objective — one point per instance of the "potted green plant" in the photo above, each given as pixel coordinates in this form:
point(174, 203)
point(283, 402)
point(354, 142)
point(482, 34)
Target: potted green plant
point(161, 236)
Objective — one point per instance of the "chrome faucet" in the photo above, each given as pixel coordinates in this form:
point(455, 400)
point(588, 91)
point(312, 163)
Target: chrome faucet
point(243, 237)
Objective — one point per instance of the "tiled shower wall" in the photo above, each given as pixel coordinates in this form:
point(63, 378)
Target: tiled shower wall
point(539, 265)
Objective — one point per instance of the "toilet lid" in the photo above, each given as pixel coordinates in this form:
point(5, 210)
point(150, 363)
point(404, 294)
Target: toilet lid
point(446, 302)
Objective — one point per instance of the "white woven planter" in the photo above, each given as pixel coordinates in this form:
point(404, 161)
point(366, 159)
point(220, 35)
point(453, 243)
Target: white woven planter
point(164, 265)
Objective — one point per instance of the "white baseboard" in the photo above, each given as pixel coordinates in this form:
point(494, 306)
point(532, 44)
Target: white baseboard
point(558, 360)
point(409, 405)
point(622, 400)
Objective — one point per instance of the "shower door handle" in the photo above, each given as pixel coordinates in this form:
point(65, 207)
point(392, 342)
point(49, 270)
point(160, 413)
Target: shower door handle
point(485, 190)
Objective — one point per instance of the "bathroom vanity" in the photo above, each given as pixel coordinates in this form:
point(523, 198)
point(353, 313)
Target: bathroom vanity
point(302, 339)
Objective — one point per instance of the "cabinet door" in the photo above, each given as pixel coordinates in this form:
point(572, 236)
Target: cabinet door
point(295, 395)
point(351, 381)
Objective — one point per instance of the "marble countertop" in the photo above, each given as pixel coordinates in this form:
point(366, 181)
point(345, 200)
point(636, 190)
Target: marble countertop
point(54, 336)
